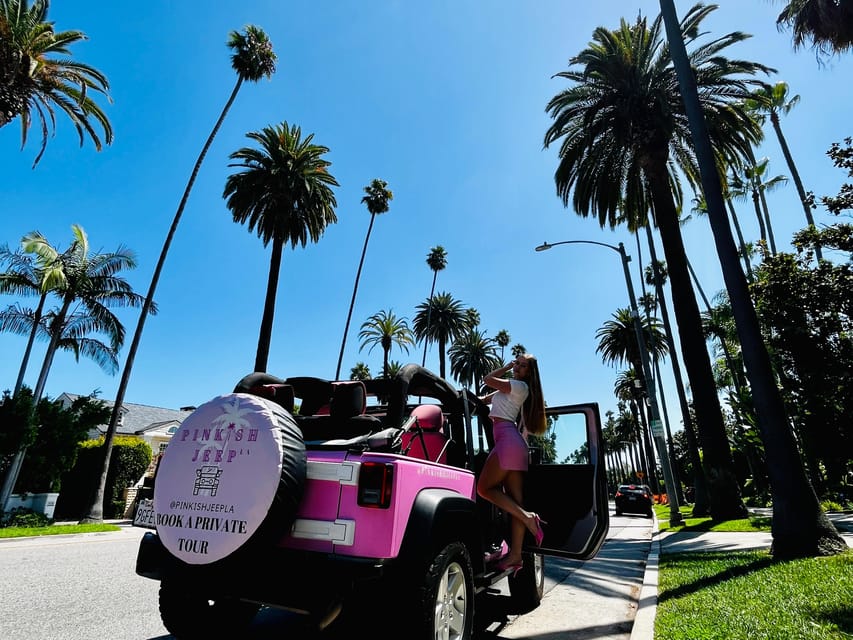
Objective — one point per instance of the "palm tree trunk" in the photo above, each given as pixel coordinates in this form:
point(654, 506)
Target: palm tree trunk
point(265, 335)
point(352, 301)
point(701, 501)
point(29, 348)
point(799, 524)
point(429, 313)
point(766, 211)
point(96, 509)
point(774, 118)
point(741, 242)
point(725, 498)
point(762, 229)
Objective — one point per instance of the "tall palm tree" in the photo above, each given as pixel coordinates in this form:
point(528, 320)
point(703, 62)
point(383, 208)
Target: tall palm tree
point(826, 24)
point(385, 329)
point(284, 193)
point(773, 100)
point(472, 356)
point(32, 81)
point(502, 339)
point(252, 58)
point(518, 349)
point(624, 136)
point(377, 196)
point(88, 286)
point(800, 527)
point(447, 322)
point(437, 261)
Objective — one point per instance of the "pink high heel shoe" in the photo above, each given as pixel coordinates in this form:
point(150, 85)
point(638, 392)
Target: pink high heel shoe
point(539, 535)
point(514, 567)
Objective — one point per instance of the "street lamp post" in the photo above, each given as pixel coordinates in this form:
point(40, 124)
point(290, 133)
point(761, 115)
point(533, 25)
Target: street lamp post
point(657, 425)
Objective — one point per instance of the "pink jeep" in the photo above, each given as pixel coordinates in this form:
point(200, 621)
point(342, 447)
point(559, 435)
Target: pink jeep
point(333, 494)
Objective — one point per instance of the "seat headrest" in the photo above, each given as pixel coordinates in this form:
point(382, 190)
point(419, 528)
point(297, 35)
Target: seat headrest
point(348, 399)
point(430, 417)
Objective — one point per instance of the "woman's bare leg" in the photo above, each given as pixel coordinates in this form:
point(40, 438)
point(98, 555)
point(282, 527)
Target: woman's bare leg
point(491, 485)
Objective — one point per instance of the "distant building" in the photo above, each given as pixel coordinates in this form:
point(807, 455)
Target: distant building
point(154, 425)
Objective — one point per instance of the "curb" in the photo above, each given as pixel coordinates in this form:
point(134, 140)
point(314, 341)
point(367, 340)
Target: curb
point(644, 621)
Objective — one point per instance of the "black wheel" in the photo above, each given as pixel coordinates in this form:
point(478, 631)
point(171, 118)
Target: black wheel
point(435, 602)
point(231, 481)
point(528, 585)
point(190, 614)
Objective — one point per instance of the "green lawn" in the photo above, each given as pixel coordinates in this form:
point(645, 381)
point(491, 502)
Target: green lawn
point(752, 523)
point(55, 529)
point(748, 595)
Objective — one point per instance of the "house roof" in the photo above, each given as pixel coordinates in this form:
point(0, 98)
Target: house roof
point(138, 418)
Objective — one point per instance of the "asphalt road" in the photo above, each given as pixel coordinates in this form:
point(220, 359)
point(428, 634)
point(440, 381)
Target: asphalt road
point(84, 587)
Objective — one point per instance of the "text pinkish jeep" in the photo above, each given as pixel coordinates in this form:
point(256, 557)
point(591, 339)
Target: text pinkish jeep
point(318, 496)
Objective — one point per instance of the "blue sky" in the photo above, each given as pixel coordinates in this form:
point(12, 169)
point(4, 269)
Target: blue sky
point(443, 100)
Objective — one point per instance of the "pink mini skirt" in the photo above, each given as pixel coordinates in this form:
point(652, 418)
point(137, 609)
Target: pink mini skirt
point(510, 447)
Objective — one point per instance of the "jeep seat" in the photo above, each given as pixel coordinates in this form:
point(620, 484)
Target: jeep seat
point(425, 438)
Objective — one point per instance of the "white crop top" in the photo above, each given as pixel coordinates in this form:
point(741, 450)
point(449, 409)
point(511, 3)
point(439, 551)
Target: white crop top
point(508, 405)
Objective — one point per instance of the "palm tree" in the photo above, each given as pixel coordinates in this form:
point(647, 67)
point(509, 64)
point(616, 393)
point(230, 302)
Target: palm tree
point(629, 390)
point(440, 319)
point(617, 339)
point(758, 184)
point(386, 329)
point(472, 317)
point(518, 349)
point(24, 278)
point(377, 196)
point(800, 527)
point(391, 370)
point(437, 261)
point(360, 372)
point(252, 58)
point(89, 282)
point(624, 137)
point(502, 338)
point(773, 100)
point(472, 356)
point(31, 81)
point(284, 194)
point(74, 334)
point(827, 24)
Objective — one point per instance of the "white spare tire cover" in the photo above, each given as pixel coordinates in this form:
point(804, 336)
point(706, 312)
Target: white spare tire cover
point(235, 468)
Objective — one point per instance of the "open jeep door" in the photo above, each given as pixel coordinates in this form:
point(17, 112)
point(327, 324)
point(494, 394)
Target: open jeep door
point(570, 498)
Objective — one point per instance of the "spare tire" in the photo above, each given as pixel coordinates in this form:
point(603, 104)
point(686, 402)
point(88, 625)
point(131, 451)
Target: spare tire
point(232, 477)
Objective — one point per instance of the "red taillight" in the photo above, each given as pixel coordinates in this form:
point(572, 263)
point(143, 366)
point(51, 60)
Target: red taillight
point(375, 480)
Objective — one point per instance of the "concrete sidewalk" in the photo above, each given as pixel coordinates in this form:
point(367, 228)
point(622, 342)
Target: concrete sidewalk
point(679, 542)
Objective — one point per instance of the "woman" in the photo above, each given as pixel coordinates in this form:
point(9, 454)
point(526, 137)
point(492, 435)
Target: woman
point(502, 477)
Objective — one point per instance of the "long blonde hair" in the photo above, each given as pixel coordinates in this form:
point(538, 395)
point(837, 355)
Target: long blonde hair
point(533, 411)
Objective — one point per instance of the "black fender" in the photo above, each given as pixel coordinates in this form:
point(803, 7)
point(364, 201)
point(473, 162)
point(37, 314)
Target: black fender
point(440, 516)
